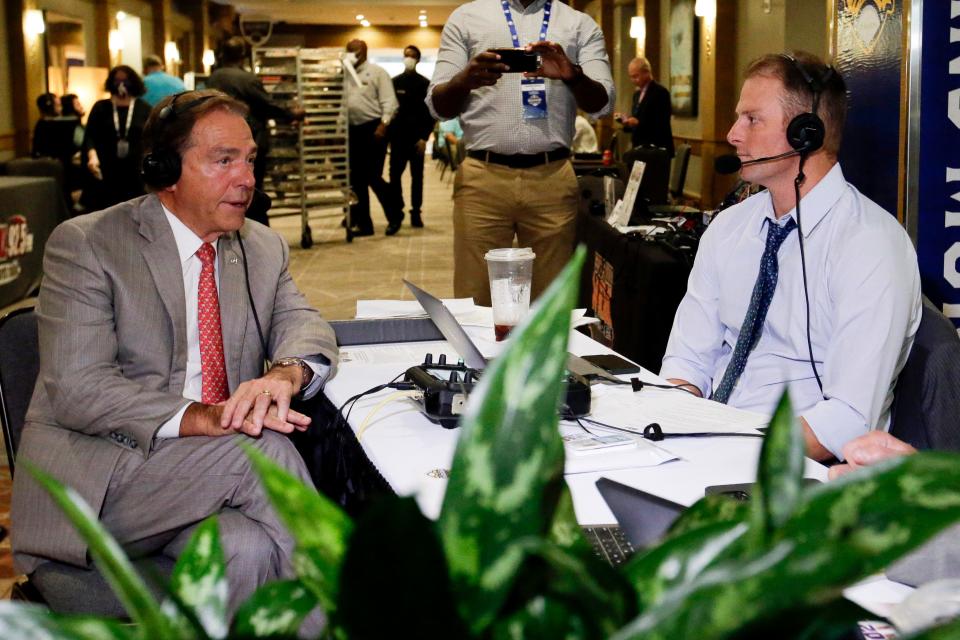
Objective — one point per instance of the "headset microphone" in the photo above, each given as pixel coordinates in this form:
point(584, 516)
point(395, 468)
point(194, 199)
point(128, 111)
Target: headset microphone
point(730, 163)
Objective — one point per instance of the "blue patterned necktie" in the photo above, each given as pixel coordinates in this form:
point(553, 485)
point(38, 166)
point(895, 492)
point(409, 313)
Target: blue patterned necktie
point(757, 311)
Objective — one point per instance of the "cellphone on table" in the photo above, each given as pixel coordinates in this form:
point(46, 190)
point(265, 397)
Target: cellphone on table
point(519, 60)
point(612, 363)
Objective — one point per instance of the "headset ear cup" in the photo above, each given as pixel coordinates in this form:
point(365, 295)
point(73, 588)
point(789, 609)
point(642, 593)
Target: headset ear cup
point(806, 132)
point(160, 169)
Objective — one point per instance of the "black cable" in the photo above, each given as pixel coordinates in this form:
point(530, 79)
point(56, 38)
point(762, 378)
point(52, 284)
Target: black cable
point(253, 307)
point(803, 265)
point(654, 431)
point(639, 384)
point(354, 399)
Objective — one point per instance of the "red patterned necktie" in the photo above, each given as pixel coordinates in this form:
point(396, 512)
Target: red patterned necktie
point(213, 371)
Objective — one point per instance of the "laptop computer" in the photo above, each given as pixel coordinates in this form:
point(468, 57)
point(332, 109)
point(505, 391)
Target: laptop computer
point(449, 327)
point(642, 518)
point(455, 334)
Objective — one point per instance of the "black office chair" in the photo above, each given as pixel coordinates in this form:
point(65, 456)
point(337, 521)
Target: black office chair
point(62, 587)
point(678, 178)
point(926, 399)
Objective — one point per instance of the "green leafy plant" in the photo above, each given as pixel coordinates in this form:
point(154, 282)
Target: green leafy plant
point(506, 558)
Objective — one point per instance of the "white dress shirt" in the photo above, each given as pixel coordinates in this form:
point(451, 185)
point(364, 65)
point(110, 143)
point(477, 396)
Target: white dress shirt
point(375, 99)
point(188, 243)
point(492, 119)
point(865, 307)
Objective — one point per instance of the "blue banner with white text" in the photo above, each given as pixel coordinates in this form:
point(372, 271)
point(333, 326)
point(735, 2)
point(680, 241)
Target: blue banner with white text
point(938, 213)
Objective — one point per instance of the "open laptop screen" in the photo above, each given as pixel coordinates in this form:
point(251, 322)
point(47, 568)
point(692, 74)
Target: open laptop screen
point(642, 516)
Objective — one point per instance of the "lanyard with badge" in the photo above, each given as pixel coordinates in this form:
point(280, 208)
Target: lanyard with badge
point(123, 145)
point(533, 91)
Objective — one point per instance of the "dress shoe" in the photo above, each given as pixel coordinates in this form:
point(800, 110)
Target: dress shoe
point(392, 228)
point(416, 220)
point(360, 232)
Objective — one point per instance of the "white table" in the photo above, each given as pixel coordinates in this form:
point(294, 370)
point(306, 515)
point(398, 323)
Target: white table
point(412, 453)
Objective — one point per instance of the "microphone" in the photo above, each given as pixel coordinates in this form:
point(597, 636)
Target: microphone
point(730, 163)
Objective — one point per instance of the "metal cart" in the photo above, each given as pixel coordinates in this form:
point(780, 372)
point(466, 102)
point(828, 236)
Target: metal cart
point(308, 165)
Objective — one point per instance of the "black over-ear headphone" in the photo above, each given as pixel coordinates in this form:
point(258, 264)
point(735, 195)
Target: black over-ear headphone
point(161, 167)
point(806, 131)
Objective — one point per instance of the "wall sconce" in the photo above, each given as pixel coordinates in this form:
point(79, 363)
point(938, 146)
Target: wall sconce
point(208, 58)
point(170, 52)
point(115, 41)
point(706, 9)
point(33, 24)
point(638, 28)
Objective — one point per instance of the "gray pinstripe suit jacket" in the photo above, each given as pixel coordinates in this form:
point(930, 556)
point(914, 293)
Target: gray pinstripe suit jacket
point(113, 352)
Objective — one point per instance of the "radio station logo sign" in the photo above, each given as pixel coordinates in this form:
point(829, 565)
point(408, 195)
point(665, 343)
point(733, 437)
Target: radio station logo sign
point(15, 241)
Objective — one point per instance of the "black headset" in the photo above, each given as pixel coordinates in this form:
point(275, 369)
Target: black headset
point(806, 131)
point(161, 167)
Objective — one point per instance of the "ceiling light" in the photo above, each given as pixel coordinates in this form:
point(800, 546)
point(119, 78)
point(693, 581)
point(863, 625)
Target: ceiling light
point(115, 41)
point(706, 8)
point(365, 23)
point(33, 24)
point(121, 16)
point(359, 16)
point(170, 52)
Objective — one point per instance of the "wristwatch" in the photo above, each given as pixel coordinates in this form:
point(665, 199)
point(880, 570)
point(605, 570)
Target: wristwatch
point(305, 370)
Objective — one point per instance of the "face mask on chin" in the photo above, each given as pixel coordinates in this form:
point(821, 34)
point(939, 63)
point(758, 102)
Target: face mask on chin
point(409, 63)
point(350, 57)
point(122, 89)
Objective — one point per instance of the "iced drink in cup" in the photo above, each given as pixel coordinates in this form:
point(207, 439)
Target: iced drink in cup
point(511, 271)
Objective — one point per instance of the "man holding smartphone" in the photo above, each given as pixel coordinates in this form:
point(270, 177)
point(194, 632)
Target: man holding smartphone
point(517, 180)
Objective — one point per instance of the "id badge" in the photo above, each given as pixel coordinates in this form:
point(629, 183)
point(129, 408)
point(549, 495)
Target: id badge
point(123, 148)
point(533, 96)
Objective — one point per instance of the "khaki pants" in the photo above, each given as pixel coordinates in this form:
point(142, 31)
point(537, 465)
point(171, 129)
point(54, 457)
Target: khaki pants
point(494, 203)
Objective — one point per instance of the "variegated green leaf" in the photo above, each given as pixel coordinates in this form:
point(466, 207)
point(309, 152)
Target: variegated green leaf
point(276, 610)
point(110, 559)
point(33, 622)
point(949, 631)
point(396, 561)
point(508, 466)
point(320, 528)
point(708, 510)
point(596, 598)
point(779, 472)
point(682, 558)
point(199, 579)
point(846, 530)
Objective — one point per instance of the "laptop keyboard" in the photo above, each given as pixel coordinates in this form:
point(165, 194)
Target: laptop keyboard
point(609, 543)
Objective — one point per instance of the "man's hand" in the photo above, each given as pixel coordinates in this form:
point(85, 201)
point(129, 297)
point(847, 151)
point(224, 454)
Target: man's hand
point(483, 70)
point(204, 420)
point(93, 164)
point(554, 62)
point(381, 131)
point(869, 449)
point(255, 397)
point(421, 147)
point(689, 386)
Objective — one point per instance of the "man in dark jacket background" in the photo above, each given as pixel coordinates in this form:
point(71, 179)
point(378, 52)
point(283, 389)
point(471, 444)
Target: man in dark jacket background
point(649, 119)
point(235, 81)
point(408, 133)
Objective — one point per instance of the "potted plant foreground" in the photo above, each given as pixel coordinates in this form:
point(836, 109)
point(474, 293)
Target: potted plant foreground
point(506, 558)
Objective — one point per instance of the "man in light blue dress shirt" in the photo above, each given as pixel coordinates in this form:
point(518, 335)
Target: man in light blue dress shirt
point(861, 274)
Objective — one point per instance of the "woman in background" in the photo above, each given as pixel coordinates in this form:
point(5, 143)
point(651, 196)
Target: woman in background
point(112, 144)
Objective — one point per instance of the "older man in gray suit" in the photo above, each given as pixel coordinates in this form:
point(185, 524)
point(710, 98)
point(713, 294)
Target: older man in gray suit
point(155, 319)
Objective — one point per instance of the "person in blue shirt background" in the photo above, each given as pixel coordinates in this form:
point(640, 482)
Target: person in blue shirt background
point(159, 83)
